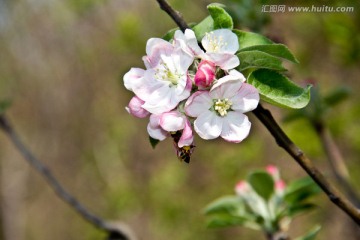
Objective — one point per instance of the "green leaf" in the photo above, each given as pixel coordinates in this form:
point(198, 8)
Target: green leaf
point(278, 90)
point(224, 205)
point(218, 18)
point(262, 183)
point(223, 220)
point(337, 96)
point(300, 208)
point(248, 39)
point(300, 190)
point(4, 105)
point(221, 18)
point(257, 59)
point(311, 235)
point(153, 142)
point(276, 50)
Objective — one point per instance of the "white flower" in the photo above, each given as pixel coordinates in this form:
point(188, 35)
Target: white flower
point(165, 124)
point(221, 46)
point(220, 111)
point(187, 42)
point(165, 82)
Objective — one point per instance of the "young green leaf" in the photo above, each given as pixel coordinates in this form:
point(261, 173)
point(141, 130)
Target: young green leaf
point(248, 39)
point(276, 50)
point(218, 18)
point(257, 59)
point(262, 183)
point(300, 190)
point(278, 90)
point(153, 142)
point(311, 235)
point(224, 205)
point(221, 18)
point(225, 220)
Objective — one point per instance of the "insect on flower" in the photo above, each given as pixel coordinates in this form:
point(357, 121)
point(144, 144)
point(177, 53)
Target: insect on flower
point(183, 153)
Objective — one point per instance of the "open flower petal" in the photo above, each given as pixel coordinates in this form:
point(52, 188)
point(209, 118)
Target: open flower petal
point(187, 136)
point(198, 103)
point(154, 129)
point(133, 77)
point(247, 98)
point(220, 41)
point(187, 42)
point(172, 121)
point(236, 127)
point(225, 61)
point(208, 125)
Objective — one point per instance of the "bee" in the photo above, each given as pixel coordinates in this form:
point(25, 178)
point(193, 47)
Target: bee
point(183, 153)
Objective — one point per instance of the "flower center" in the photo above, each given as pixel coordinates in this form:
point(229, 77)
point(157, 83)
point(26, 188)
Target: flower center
point(222, 106)
point(164, 73)
point(215, 43)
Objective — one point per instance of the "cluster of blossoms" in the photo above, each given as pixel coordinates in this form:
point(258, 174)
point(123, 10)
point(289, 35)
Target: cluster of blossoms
point(185, 87)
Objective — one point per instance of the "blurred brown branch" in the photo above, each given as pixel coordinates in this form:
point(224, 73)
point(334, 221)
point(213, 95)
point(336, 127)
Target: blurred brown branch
point(336, 160)
point(112, 229)
point(284, 142)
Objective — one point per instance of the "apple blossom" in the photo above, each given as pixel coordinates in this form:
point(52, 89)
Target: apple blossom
point(221, 46)
point(166, 124)
point(220, 111)
point(188, 43)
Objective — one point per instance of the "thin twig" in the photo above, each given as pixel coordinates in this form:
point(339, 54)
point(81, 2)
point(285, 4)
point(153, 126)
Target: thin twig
point(45, 172)
point(175, 15)
point(336, 160)
point(284, 141)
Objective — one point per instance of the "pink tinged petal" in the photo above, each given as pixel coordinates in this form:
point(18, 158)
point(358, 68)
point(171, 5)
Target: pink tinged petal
point(198, 103)
point(160, 101)
point(154, 129)
point(135, 109)
point(187, 137)
point(226, 89)
point(187, 42)
point(172, 121)
point(208, 125)
point(186, 92)
point(205, 74)
point(247, 98)
point(155, 47)
point(132, 77)
point(225, 61)
point(145, 86)
point(236, 127)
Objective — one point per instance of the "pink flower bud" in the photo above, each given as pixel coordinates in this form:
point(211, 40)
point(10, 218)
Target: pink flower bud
point(280, 186)
point(242, 187)
point(135, 109)
point(205, 74)
point(272, 170)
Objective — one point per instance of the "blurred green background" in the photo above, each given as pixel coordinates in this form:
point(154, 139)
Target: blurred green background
point(61, 64)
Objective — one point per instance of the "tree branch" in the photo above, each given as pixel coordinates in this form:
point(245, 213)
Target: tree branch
point(336, 160)
point(175, 15)
point(45, 172)
point(284, 141)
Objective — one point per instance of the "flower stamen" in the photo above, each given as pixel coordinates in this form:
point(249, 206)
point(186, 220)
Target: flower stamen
point(222, 106)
